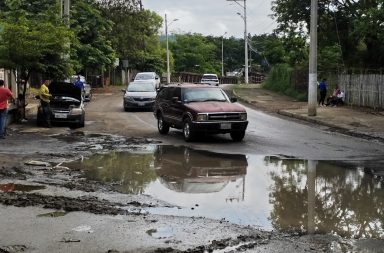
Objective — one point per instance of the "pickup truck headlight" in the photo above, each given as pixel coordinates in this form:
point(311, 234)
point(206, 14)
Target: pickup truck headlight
point(202, 117)
point(243, 116)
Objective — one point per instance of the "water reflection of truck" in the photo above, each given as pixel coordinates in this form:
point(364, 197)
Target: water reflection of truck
point(182, 169)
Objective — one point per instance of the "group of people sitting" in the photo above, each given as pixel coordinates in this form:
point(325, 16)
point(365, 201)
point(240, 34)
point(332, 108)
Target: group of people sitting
point(337, 98)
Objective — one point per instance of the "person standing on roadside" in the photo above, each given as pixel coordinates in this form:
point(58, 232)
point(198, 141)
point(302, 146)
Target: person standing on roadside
point(80, 85)
point(44, 100)
point(5, 94)
point(323, 92)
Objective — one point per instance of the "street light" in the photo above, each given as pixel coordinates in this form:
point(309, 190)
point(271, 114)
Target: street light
point(244, 17)
point(166, 37)
point(222, 54)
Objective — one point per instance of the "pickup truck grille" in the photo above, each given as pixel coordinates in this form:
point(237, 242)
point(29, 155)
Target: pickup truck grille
point(224, 116)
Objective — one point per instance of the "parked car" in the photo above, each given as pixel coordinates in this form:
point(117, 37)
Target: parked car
point(87, 87)
point(66, 104)
point(199, 109)
point(210, 79)
point(139, 95)
point(148, 76)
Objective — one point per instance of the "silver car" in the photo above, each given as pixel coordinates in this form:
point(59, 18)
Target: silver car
point(139, 95)
point(148, 77)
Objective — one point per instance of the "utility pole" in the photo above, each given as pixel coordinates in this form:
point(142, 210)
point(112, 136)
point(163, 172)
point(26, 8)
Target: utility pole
point(312, 78)
point(245, 43)
point(244, 17)
point(222, 54)
point(64, 11)
point(166, 38)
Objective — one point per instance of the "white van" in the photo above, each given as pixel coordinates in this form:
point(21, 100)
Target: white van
point(210, 79)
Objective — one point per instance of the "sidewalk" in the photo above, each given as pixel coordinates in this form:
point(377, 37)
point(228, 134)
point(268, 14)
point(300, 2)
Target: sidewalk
point(365, 123)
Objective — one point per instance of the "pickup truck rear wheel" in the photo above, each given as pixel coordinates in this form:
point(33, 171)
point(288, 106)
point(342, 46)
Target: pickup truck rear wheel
point(189, 135)
point(237, 136)
point(162, 126)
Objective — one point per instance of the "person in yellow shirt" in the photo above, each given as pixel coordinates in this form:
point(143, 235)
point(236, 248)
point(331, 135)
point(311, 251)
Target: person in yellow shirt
point(45, 97)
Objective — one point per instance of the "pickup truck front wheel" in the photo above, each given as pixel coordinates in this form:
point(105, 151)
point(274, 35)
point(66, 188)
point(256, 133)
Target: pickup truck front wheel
point(162, 126)
point(189, 135)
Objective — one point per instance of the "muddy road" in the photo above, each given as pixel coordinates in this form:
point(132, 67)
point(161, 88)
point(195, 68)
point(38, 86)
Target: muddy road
point(116, 185)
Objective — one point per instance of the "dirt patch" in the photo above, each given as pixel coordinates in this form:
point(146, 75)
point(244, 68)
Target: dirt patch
point(268, 101)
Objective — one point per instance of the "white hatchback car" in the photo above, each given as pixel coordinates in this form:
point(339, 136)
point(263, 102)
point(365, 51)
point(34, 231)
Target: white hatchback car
point(148, 77)
point(210, 79)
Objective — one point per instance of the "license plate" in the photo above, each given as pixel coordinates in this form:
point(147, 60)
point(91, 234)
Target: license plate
point(60, 115)
point(141, 104)
point(225, 126)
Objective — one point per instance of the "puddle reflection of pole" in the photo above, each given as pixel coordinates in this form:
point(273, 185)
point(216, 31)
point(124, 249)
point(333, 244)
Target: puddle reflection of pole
point(311, 185)
point(242, 197)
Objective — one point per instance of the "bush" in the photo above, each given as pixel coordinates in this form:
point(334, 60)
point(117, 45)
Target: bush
point(280, 80)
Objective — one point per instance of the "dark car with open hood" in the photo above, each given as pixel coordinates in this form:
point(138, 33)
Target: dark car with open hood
point(199, 109)
point(67, 105)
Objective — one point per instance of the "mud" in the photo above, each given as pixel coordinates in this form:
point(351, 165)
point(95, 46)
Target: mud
point(224, 237)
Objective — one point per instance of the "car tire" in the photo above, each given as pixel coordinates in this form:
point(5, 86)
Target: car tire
point(189, 135)
point(126, 109)
point(82, 123)
point(162, 126)
point(237, 136)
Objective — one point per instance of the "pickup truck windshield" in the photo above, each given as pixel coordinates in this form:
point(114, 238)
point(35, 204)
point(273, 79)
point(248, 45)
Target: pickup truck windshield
point(200, 95)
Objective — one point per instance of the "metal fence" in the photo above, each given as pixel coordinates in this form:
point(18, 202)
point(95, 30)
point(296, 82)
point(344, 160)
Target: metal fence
point(185, 77)
point(365, 90)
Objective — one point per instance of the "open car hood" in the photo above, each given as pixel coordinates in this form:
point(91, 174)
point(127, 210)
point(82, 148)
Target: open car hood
point(65, 89)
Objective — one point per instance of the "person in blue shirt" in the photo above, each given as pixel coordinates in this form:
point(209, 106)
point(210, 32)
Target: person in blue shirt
point(79, 84)
point(323, 92)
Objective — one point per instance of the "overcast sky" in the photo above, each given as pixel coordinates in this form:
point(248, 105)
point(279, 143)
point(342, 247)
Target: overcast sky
point(214, 17)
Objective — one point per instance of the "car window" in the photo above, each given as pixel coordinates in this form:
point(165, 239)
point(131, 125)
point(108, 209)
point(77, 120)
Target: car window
point(177, 93)
point(199, 95)
point(144, 76)
point(141, 87)
point(166, 93)
point(210, 77)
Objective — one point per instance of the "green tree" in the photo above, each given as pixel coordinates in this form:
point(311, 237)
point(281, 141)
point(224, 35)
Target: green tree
point(195, 53)
point(134, 35)
point(92, 49)
point(34, 41)
point(233, 52)
point(354, 26)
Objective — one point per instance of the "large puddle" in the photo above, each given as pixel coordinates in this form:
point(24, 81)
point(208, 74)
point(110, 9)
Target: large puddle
point(267, 192)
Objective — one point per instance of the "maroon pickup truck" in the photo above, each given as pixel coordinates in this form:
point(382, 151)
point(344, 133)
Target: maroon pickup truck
point(199, 109)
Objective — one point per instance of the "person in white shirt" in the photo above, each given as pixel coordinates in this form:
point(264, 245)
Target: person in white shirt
point(340, 97)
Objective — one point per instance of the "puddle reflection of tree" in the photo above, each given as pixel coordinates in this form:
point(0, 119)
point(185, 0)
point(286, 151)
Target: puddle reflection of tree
point(346, 201)
point(130, 173)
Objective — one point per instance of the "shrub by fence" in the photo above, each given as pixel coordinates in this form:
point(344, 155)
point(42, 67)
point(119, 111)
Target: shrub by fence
point(365, 90)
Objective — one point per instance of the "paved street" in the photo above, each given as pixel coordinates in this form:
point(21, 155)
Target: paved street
point(121, 151)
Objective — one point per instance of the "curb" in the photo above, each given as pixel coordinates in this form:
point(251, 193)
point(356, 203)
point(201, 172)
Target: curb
point(305, 118)
point(337, 128)
point(343, 130)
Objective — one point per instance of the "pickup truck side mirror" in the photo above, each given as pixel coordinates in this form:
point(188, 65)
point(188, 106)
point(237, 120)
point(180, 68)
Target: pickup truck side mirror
point(233, 99)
